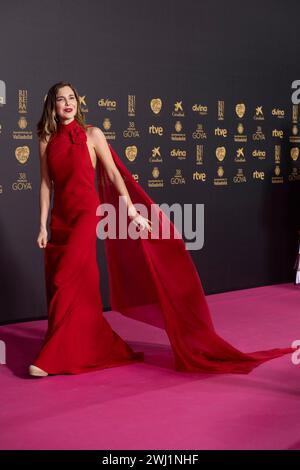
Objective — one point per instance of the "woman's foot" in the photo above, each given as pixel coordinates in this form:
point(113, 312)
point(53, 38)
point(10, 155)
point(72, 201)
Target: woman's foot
point(36, 371)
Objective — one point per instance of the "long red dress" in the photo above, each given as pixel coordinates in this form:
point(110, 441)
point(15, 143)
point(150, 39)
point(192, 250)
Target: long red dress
point(151, 278)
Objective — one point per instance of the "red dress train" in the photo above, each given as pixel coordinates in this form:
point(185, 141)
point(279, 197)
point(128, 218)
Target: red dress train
point(151, 278)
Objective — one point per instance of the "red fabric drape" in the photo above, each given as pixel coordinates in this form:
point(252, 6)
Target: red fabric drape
point(154, 280)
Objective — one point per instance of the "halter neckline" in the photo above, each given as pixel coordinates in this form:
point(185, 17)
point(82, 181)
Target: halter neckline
point(68, 126)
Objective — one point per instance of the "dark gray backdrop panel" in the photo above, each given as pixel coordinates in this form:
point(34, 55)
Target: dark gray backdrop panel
point(194, 51)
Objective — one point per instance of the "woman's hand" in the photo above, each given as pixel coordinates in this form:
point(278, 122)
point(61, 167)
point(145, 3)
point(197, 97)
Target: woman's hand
point(138, 219)
point(141, 222)
point(42, 238)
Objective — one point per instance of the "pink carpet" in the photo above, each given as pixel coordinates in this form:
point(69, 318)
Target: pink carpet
point(150, 405)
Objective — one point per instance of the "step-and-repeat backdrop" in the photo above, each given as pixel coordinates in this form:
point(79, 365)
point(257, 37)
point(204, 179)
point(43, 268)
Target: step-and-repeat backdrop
point(200, 100)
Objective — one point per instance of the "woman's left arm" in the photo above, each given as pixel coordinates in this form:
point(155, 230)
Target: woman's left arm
point(103, 153)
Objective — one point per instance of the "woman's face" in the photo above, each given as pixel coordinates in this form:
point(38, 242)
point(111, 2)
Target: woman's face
point(65, 104)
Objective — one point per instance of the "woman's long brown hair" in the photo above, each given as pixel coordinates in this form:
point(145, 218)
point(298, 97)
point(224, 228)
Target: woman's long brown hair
point(48, 123)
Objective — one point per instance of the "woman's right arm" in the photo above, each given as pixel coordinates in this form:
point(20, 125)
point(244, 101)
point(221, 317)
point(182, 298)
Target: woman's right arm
point(45, 195)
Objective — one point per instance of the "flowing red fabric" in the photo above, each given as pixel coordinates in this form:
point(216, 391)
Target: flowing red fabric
point(154, 280)
point(151, 278)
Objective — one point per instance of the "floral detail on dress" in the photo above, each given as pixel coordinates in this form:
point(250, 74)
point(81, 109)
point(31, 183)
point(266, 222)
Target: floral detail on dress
point(78, 135)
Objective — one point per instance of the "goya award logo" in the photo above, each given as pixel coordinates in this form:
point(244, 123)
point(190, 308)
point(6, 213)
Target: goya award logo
point(294, 152)
point(240, 110)
point(131, 152)
point(22, 154)
point(220, 153)
point(156, 105)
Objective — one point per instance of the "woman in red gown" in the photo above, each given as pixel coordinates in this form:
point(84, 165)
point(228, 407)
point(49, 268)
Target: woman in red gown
point(151, 278)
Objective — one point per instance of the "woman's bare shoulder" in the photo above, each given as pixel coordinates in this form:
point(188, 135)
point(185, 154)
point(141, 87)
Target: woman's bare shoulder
point(92, 128)
point(94, 132)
